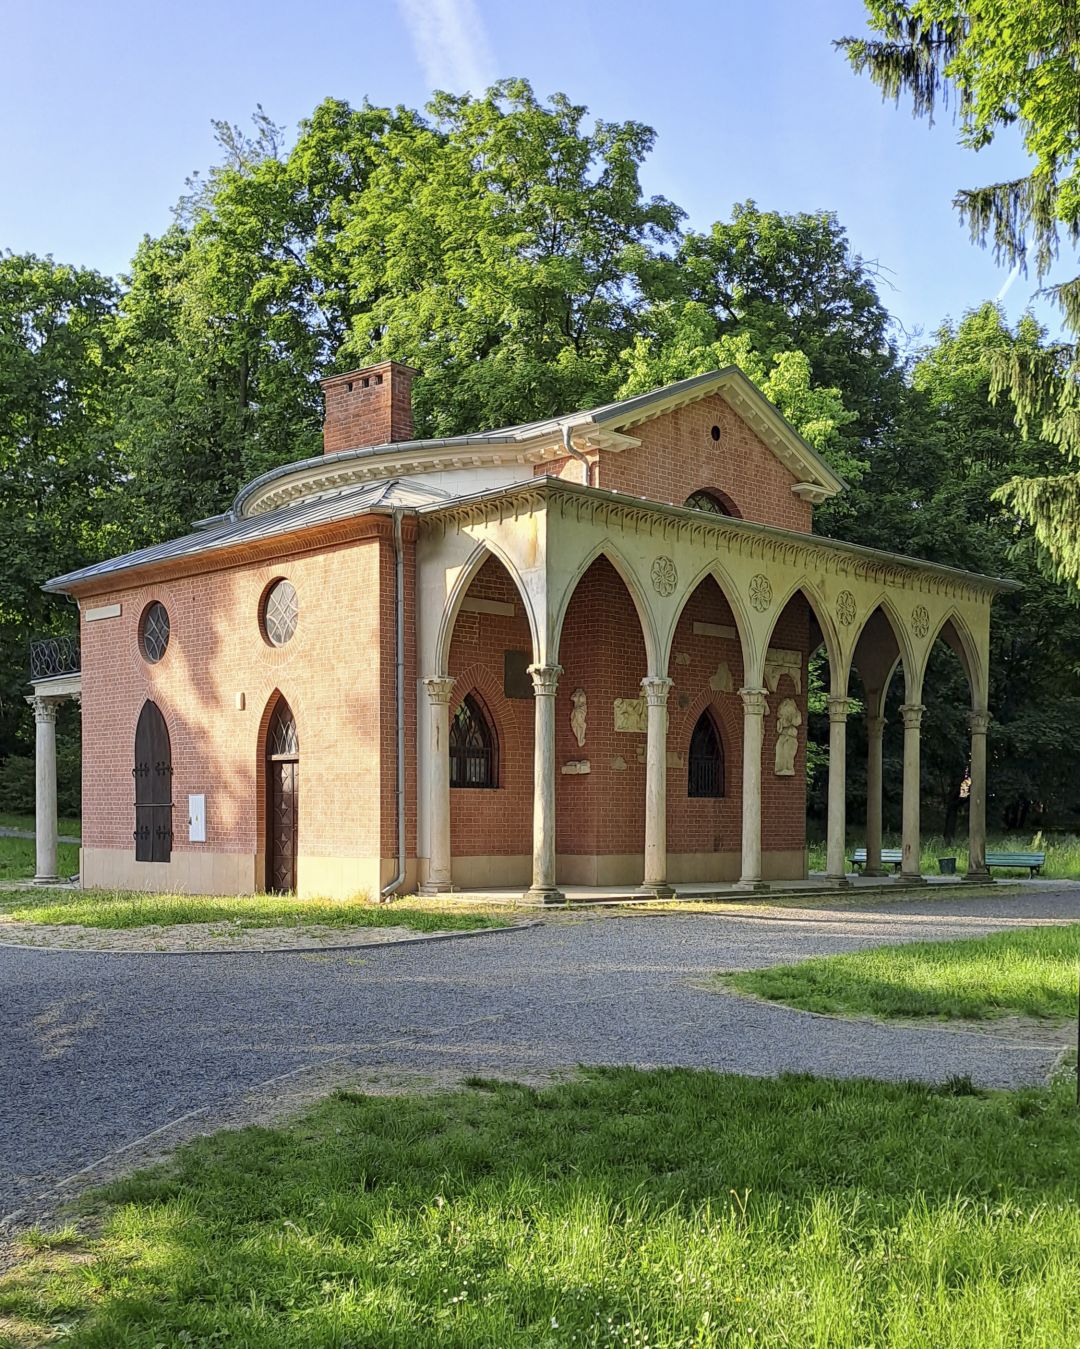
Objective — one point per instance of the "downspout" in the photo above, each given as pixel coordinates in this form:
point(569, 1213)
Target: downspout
point(399, 602)
point(576, 454)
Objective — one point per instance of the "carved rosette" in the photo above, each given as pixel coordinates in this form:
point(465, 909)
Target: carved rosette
point(920, 620)
point(665, 576)
point(760, 592)
point(545, 679)
point(845, 608)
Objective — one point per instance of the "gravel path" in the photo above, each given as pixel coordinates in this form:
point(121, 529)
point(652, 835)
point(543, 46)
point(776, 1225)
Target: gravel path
point(100, 1050)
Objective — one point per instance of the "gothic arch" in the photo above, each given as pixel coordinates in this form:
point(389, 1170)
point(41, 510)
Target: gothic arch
point(838, 669)
point(730, 593)
point(625, 573)
point(464, 580)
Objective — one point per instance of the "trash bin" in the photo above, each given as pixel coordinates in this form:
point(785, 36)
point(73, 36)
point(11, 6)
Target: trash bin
point(947, 865)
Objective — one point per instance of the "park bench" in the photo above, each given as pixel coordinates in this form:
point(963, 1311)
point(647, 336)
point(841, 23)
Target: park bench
point(890, 857)
point(1033, 861)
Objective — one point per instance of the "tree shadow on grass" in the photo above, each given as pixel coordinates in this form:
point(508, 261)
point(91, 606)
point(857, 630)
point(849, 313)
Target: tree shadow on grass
point(662, 1208)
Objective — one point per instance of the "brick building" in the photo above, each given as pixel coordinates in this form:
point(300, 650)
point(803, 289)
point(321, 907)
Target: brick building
point(569, 652)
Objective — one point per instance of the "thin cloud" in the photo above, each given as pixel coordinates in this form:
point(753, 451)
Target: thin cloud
point(1007, 284)
point(451, 43)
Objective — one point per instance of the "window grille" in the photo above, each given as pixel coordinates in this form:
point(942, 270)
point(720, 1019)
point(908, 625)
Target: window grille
point(154, 632)
point(473, 747)
point(705, 770)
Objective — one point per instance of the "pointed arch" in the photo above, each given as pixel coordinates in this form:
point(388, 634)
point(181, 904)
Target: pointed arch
point(474, 744)
point(903, 654)
point(838, 669)
point(607, 550)
point(730, 593)
point(705, 759)
point(955, 633)
point(464, 580)
point(279, 761)
point(153, 774)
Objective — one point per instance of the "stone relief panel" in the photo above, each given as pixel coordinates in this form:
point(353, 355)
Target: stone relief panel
point(778, 663)
point(722, 681)
point(618, 764)
point(631, 715)
point(788, 721)
point(577, 766)
point(665, 576)
point(579, 715)
point(760, 592)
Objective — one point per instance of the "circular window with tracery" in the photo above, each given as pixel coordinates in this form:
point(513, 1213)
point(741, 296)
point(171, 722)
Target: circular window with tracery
point(154, 631)
point(280, 612)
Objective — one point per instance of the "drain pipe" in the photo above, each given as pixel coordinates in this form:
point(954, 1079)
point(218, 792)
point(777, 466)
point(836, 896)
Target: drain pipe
point(399, 603)
point(576, 454)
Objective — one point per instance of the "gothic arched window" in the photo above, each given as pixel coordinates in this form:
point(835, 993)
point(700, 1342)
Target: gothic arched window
point(705, 768)
point(474, 749)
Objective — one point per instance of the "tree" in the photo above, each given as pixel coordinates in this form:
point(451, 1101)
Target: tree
point(59, 470)
point(1009, 63)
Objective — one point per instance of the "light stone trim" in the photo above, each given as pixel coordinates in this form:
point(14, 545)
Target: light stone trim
point(102, 611)
point(480, 606)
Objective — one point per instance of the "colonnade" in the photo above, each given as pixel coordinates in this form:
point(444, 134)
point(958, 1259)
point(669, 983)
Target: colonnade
point(655, 688)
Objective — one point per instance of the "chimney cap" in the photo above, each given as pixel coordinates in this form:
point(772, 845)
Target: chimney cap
point(378, 369)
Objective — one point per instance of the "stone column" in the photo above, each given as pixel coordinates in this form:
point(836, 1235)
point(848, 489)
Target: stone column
point(911, 855)
point(875, 730)
point(45, 790)
point(438, 689)
point(755, 707)
point(977, 869)
point(836, 863)
point(656, 696)
point(545, 680)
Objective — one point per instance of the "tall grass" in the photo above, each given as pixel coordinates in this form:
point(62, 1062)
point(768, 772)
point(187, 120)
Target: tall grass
point(665, 1209)
point(18, 859)
point(1062, 852)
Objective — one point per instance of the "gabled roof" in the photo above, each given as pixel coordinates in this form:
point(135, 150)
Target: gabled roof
point(604, 427)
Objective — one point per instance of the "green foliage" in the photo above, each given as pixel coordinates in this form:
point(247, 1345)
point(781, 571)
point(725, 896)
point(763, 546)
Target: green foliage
point(665, 1208)
point(1029, 972)
point(1009, 64)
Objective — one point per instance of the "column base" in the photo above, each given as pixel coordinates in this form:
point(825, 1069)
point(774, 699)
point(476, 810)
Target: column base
point(549, 895)
point(903, 879)
point(874, 871)
point(983, 877)
point(660, 891)
point(435, 888)
point(753, 886)
point(49, 880)
point(840, 882)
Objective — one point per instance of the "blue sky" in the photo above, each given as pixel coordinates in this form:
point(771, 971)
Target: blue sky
point(105, 107)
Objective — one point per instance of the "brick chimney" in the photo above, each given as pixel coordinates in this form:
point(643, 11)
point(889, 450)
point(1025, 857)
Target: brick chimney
point(368, 407)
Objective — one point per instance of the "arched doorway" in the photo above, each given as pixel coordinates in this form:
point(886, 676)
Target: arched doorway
point(282, 798)
point(153, 786)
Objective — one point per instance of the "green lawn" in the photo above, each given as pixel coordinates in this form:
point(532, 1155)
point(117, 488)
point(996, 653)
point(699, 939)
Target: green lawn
point(1028, 972)
point(129, 909)
point(667, 1209)
point(1062, 852)
point(17, 859)
point(67, 826)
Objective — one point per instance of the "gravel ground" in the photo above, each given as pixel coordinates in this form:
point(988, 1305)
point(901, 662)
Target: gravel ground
point(100, 1051)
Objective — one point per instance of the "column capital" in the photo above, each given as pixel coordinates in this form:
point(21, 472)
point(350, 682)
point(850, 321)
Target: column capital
point(838, 708)
point(755, 701)
point(912, 714)
point(656, 689)
point(979, 722)
point(439, 688)
point(44, 708)
point(875, 726)
point(545, 679)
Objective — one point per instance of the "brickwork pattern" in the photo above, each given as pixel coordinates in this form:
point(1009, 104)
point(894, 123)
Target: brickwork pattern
point(368, 407)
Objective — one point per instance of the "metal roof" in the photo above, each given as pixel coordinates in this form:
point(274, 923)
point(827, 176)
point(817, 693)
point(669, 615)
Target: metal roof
point(224, 531)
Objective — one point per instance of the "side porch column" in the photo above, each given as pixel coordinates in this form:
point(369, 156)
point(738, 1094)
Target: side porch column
point(836, 863)
point(545, 680)
point(755, 707)
point(875, 731)
point(439, 689)
point(911, 856)
point(977, 869)
point(45, 828)
point(656, 696)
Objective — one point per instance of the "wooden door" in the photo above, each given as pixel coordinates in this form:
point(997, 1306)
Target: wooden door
point(153, 787)
point(282, 799)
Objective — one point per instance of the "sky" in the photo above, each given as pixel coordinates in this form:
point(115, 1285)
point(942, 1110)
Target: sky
point(106, 106)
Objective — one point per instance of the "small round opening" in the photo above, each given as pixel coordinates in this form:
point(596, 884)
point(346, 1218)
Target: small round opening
point(280, 610)
point(154, 631)
point(715, 433)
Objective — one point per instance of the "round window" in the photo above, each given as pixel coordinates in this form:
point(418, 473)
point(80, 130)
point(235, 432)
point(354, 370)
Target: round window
point(715, 433)
point(280, 611)
point(154, 631)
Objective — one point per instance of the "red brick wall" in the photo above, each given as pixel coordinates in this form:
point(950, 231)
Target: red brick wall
point(368, 407)
point(333, 673)
point(498, 821)
point(678, 456)
point(603, 652)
